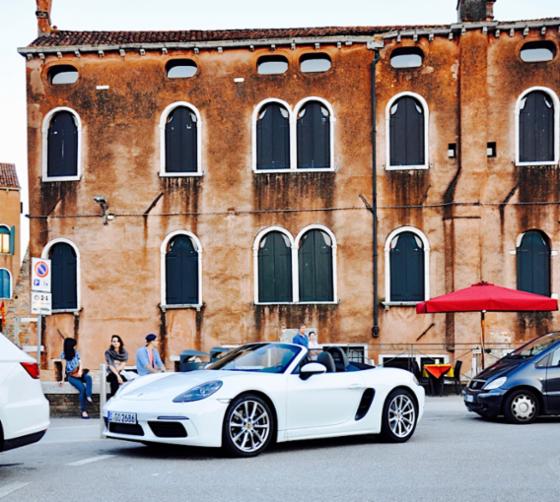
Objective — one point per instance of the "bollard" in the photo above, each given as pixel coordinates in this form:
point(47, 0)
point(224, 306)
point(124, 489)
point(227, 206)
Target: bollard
point(102, 396)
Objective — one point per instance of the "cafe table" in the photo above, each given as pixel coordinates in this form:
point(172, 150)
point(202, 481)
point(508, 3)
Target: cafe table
point(435, 374)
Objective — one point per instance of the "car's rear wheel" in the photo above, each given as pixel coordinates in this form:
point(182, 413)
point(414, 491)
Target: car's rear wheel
point(400, 415)
point(248, 426)
point(521, 407)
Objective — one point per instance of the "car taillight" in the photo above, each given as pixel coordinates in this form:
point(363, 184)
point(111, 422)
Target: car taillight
point(32, 369)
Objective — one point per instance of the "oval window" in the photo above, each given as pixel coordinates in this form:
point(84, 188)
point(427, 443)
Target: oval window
point(315, 63)
point(181, 68)
point(407, 57)
point(272, 65)
point(63, 74)
point(536, 52)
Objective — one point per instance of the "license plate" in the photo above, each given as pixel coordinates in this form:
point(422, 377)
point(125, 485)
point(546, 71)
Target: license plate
point(469, 398)
point(122, 417)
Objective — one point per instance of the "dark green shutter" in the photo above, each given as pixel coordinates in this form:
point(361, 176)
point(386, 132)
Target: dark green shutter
point(313, 137)
point(62, 145)
point(315, 267)
point(406, 124)
point(181, 143)
point(407, 268)
point(181, 272)
point(64, 277)
point(536, 128)
point(273, 137)
point(533, 263)
point(275, 268)
point(4, 284)
point(13, 240)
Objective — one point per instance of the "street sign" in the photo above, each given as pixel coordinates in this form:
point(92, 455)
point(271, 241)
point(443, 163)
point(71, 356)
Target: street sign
point(41, 303)
point(41, 275)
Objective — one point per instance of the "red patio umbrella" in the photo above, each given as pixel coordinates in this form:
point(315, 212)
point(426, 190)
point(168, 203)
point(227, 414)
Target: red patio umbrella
point(486, 297)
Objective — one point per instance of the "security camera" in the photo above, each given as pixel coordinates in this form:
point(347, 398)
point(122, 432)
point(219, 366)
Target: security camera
point(100, 199)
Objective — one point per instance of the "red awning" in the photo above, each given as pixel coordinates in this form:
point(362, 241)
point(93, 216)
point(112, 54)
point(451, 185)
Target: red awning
point(487, 297)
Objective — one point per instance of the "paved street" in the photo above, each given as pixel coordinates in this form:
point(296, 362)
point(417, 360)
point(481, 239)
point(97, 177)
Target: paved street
point(454, 456)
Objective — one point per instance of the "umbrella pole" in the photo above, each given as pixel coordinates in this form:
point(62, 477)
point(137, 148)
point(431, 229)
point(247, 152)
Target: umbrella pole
point(482, 336)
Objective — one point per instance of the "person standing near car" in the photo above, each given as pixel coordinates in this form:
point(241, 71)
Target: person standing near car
point(77, 376)
point(301, 337)
point(116, 357)
point(148, 359)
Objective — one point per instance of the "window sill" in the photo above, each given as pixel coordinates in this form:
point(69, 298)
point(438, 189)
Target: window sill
point(180, 175)
point(537, 164)
point(294, 171)
point(407, 168)
point(66, 311)
point(180, 306)
point(334, 302)
point(400, 304)
point(46, 179)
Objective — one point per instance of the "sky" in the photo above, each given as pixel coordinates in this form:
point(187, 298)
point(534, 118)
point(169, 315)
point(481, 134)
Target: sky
point(19, 28)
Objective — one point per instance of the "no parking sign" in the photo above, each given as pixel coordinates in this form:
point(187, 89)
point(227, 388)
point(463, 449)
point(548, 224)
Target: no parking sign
point(41, 275)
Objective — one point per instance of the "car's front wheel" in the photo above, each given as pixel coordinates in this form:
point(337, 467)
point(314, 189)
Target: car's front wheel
point(400, 415)
point(521, 407)
point(248, 426)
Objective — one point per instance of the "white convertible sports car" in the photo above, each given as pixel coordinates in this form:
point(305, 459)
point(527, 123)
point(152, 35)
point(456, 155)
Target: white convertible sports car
point(265, 392)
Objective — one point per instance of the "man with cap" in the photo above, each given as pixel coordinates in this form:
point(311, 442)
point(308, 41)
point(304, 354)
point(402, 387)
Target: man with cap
point(148, 359)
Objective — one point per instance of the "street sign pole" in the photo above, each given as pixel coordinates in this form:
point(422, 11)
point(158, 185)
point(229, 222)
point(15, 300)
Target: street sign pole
point(39, 341)
point(41, 298)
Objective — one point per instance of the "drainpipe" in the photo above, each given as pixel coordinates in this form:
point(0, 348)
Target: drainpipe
point(375, 46)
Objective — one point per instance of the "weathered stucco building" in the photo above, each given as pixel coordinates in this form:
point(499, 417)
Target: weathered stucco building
point(216, 187)
point(9, 232)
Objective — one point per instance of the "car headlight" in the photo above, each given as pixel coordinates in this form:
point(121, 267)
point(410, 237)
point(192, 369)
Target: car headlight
point(199, 392)
point(494, 384)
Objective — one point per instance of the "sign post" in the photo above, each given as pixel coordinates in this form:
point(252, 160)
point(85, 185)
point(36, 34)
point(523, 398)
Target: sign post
point(41, 298)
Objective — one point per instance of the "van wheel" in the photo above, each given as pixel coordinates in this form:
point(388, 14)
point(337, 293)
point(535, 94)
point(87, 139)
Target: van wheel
point(522, 407)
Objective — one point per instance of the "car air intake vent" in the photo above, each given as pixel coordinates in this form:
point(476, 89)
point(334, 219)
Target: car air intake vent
point(476, 384)
point(130, 429)
point(168, 429)
point(365, 404)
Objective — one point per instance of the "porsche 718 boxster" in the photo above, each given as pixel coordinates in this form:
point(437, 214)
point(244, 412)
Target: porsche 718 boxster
point(267, 392)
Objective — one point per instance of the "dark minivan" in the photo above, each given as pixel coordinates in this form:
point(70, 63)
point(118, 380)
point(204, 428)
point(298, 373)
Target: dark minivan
point(521, 385)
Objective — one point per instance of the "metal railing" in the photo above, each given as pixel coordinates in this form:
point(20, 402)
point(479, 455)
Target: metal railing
point(469, 353)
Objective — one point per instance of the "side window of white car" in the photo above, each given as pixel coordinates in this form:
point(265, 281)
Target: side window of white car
point(555, 360)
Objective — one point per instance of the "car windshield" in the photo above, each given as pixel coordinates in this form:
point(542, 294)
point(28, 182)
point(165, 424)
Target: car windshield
point(262, 358)
point(535, 347)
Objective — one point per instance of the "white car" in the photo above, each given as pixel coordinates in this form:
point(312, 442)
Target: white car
point(265, 392)
point(24, 410)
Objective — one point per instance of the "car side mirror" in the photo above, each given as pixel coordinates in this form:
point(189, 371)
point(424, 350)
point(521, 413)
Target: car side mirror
point(310, 369)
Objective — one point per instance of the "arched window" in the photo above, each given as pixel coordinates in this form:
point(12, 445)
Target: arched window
point(407, 117)
point(273, 136)
point(64, 276)
point(537, 111)
point(182, 271)
point(406, 276)
point(181, 140)
point(533, 263)
point(62, 139)
point(7, 239)
point(313, 136)
point(5, 283)
point(274, 262)
point(315, 263)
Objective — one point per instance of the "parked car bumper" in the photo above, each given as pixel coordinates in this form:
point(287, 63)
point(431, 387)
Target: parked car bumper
point(484, 402)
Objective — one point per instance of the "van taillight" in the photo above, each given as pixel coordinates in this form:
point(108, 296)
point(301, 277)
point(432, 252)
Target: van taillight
point(32, 369)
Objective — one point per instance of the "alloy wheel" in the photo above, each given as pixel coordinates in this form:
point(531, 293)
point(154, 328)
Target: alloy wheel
point(402, 415)
point(249, 426)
